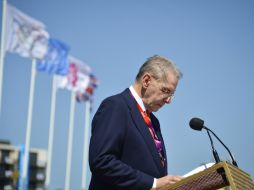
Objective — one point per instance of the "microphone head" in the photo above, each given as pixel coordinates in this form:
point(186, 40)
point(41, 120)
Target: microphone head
point(196, 124)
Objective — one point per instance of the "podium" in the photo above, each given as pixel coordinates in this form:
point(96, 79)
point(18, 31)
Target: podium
point(219, 175)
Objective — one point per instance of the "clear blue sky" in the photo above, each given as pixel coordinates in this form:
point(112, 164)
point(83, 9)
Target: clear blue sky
point(211, 41)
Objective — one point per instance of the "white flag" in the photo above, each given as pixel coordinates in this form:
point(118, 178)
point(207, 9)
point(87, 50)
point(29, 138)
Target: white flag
point(25, 35)
point(78, 78)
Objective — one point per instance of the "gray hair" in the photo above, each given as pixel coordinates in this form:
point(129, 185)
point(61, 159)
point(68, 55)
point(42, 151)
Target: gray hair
point(158, 66)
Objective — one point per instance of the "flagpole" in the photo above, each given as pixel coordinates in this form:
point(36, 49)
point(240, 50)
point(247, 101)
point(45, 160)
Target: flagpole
point(86, 144)
point(70, 137)
point(2, 53)
point(51, 131)
point(29, 125)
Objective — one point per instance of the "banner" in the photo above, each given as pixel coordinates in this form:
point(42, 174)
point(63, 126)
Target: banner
point(56, 59)
point(87, 93)
point(77, 78)
point(25, 35)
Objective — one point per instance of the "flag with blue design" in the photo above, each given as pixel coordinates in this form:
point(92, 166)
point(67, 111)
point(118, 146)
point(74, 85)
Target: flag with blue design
point(56, 59)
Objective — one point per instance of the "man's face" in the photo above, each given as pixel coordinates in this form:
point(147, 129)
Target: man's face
point(157, 93)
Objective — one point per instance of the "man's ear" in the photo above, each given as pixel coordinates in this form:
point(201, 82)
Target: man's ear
point(146, 80)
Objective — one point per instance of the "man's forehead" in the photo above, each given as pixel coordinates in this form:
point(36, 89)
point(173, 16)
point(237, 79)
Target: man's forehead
point(169, 77)
point(169, 80)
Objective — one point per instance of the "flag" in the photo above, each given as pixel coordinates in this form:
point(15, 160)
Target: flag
point(77, 78)
point(25, 35)
point(87, 93)
point(56, 59)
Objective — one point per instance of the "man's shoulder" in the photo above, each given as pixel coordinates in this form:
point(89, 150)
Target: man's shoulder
point(117, 102)
point(117, 97)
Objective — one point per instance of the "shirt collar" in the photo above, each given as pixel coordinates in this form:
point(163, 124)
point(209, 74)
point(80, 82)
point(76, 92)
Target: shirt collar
point(137, 98)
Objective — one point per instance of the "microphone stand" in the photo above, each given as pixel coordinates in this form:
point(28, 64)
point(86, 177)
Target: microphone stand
point(232, 157)
point(215, 154)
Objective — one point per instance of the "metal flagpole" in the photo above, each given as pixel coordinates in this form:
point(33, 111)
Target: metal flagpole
point(51, 131)
point(29, 125)
point(70, 137)
point(2, 53)
point(86, 145)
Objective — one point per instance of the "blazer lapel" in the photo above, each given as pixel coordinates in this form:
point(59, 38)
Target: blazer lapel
point(143, 128)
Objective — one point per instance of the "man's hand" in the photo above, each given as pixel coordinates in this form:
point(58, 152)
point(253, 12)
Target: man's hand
point(167, 180)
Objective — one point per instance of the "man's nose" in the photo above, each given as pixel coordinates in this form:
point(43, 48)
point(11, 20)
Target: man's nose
point(168, 100)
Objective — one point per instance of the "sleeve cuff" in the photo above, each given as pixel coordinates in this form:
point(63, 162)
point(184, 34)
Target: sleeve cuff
point(154, 183)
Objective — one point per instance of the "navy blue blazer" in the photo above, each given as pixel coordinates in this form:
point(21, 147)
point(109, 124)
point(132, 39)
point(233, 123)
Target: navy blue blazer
point(122, 153)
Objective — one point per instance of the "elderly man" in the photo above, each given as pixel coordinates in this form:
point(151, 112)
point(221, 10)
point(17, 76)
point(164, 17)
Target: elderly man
point(126, 148)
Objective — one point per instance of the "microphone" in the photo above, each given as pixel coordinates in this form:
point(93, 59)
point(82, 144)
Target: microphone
point(198, 124)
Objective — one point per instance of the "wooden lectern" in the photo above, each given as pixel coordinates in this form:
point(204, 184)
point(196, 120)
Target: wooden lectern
point(219, 175)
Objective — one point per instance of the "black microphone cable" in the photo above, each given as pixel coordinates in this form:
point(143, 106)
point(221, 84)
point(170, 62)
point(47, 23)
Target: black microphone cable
point(215, 154)
point(232, 157)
